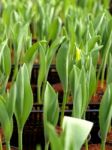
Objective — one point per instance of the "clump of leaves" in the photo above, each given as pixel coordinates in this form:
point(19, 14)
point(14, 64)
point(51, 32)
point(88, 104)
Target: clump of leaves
point(7, 108)
point(105, 114)
point(24, 101)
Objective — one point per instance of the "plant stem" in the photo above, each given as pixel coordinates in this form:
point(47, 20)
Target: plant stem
point(0, 146)
point(38, 93)
point(0, 143)
point(63, 108)
point(86, 141)
point(43, 88)
point(102, 145)
point(86, 144)
point(99, 71)
point(106, 58)
point(15, 73)
point(103, 72)
point(20, 132)
point(110, 128)
point(47, 146)
point(7, 145)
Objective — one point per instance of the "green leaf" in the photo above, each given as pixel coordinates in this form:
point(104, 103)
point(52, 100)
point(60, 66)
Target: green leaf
point(24, 98)
point(51, 52)
point(54, 138)
point(42, 69)
point(11, 101)
point(7, 15)
point(91, 28)
point(54, 29)
point(42, 19)
point(5, 121)
point(66, 6)
point(5, 58)
point(98, 21)
point(51, 107)
point(77, 104)
point(5, 65)
point(94, 54)
point(76, 91)
point(31, 51)
point(74, 79)
point(79, 91)
point(75, 132)
point(19, 97)
point(20, 39)
point(7, 61)
point(91, 79)
point(15, 30)
point(105, 112)
point(83, 82)
point(109, 73)
point(31, 54)
point(92, 42)
point(62, 65)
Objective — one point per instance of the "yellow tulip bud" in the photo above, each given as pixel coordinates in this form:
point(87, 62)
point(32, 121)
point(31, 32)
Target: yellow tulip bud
point(78, 54)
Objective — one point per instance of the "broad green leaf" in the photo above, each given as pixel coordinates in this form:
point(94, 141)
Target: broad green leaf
point(106, 48)
point(42, 19)
point(98, 21)
point(31, 54)
point(42, 69)
point(67, 5)
point(62, 65)
point(73, 135)
point(5, 121)
point(94, 54)
point(14, 16)
point(54, 138)
point(74, 79)
point(71, 48)
point(21, 37)
point(109, 72)
point(105, 112)
point(84, 89)
point(5, 65)
point(15, 30)
point(31, 51)
point(54, 29)
point(91, 79)
point(51, 106)
point(106, 54)
point(51, 52)
point(75, 132)
point(79, 91)
point(92, 42)
point(91, 28)
point(28, 96)
point(109, 76)
point(24, 98)
point(5, 59)
point(7, 14)
point(10, 104)
point(77, 104)
point(19, 97)
point(76, 91)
